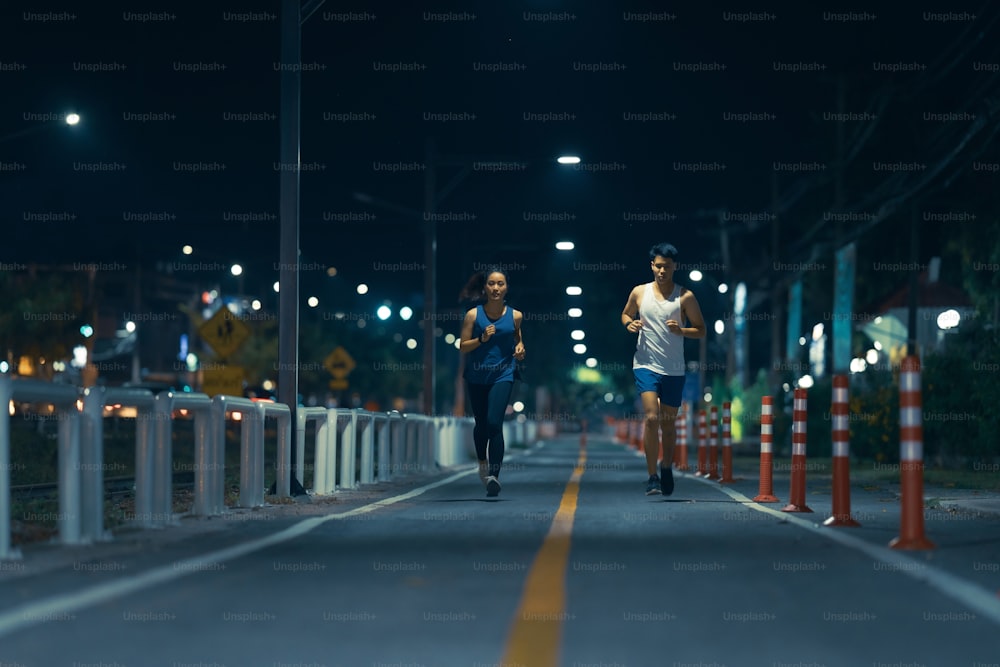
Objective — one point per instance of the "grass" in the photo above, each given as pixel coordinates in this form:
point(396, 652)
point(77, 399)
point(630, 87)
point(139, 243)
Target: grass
point(973, 477)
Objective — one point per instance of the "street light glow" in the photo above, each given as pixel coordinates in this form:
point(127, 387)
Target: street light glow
point(313, 302)
point(383, 312)
point(362, 289)
point(568, 159)
point(575, 312)
point(591, 362)
point(949, 319)
point(720, 327)
point(573, 290)
point(565, 245)
point(236, 270)
point(578, 334)
point(187, 250)
point(72, 118)
point(405, 312)
point(411, 344)
point(723, 288)
point(276, 286)
point(130, 327)
point(696, 275)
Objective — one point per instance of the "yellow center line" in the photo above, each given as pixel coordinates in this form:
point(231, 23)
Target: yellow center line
point(536, 632)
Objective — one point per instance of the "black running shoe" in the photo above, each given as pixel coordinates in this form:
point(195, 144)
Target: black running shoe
point(666, 480)
point(492, 486)
point(653, 486)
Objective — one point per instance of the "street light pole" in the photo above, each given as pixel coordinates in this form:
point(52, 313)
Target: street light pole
point(430, 280)
point(288, 251)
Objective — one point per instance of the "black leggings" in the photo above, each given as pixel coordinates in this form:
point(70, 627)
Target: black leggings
point(489, 403)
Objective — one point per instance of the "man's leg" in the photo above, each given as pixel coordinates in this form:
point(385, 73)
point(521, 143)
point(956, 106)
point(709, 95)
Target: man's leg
point(651, 430)
point(668, 427)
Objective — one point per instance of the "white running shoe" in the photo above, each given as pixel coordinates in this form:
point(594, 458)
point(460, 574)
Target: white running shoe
point(492, 486)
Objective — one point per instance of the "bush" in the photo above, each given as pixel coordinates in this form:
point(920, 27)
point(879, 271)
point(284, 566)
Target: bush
point(961, 398)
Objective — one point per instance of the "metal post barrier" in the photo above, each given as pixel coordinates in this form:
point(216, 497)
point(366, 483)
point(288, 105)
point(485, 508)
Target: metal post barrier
point(413, 439)
point(66, 401)
point(64, 398)
point(154, 456)
point(251, 449)
point(325, 455)
point(302, 417)
point(445, 446)
point(91, 459)
point(383, 438)
point(366, 431)
point(348, 447)
point(95, 399)
point(397, 447)
point(430, 442)
point(283, 458)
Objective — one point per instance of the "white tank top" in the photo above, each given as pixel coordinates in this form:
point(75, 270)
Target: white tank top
point(657, 349)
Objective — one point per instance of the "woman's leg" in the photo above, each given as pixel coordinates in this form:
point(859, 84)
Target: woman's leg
point(499, 397)
point(479, 402)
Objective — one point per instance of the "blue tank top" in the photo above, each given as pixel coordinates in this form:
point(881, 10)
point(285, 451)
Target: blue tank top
point(493, 361)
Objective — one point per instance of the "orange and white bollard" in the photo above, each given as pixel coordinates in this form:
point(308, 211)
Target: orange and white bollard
point(727, 444)
point(635, 434)
point(765, 492)
point(911, 460)
point(702, 445)
point(713, 444)
point(681, 451)
point(797, 494)
point(841, 436)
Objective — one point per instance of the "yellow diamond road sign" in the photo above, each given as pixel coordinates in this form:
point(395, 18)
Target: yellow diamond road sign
point(224, 332)
point(340, 364)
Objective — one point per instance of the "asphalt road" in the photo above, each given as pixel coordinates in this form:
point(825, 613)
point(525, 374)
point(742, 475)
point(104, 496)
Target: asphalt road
point(571, 565)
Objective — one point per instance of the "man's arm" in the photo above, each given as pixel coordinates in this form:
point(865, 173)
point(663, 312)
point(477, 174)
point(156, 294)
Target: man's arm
point(630, 311)
point(692, 313)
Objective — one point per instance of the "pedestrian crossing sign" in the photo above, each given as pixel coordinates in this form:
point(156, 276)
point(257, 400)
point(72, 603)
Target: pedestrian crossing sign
point(224, 332)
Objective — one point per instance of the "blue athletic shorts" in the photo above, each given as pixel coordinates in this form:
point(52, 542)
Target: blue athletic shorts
point(668, 387)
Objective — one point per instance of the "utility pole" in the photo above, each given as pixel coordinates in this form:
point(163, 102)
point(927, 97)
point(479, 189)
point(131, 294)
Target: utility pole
point(430, 280)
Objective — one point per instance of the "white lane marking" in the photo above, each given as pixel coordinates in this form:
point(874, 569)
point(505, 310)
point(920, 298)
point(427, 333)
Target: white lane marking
point(58, 606)
point(965, 592)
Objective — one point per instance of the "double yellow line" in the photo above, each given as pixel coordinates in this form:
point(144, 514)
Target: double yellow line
point(536, 632)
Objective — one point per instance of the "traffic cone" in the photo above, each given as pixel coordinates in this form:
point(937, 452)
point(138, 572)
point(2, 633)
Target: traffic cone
point(911, 460)
point(765, 492)
point(681, 452)
point(727, 444)
point(839, 412)
point(713, 448)
point(797, 493)
point(702, 445)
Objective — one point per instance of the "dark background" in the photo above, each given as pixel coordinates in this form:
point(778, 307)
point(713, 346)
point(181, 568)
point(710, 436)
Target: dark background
point(492, 217)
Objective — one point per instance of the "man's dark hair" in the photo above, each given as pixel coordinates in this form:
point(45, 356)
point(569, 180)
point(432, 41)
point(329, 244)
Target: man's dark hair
point(662, 250)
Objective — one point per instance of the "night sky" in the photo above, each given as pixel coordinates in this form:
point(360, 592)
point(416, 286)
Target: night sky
point(682, 114)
